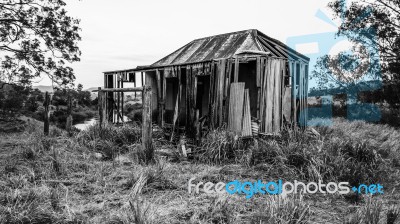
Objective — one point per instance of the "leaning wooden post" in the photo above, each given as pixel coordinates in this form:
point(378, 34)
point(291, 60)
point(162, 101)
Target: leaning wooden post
point(46, 113)
point(146, 128)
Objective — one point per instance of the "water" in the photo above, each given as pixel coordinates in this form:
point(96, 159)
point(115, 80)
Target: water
point(83, 126)
point(86, 124)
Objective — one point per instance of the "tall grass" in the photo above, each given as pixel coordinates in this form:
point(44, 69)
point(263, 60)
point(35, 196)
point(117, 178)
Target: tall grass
point(109, 139)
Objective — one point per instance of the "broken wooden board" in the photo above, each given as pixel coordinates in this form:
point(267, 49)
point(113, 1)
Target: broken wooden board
point(246, 125)
point(236, 107)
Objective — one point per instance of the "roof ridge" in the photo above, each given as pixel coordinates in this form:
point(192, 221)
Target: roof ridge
point(225, 34)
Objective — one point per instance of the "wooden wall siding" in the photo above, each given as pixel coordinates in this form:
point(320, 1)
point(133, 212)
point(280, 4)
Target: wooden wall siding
point(246, 124)
point(235, 117)
point(277, 101)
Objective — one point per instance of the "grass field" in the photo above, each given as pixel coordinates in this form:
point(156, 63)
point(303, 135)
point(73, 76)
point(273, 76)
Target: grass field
point(96, 176)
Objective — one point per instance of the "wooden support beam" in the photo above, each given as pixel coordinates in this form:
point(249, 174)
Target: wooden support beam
point(122, 99)
point(164, 98)
point(136, 89)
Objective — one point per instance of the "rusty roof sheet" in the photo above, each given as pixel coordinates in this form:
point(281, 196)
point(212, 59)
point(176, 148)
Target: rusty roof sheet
point(227, 46)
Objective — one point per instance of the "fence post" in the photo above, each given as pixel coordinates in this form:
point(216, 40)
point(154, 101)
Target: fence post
point(68, 125)
point(46, 113)
point(147, 129)
point(100, 106)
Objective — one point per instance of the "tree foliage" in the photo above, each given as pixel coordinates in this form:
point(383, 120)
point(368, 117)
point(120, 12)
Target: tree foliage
point(373, 26)
point(365, 18)
point(37, 37)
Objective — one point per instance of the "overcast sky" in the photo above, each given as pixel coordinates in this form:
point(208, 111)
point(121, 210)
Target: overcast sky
point(123, 34)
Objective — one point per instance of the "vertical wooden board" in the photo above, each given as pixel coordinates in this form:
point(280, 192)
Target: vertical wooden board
point(258, 84)
point(277, 97)
point(258, 72)
point(227, 89)
point(221, 82)
point(270, 98)
point(294, 89)
point(246, 124)
point(187, 91)
point(164, 95)
point(307, 68)
point(301, 93)
point(282, 92)
point(159, 99)
point(195, 90)
point(236, 107)
point(263, 111)
point(236, 74)
point(211, 104)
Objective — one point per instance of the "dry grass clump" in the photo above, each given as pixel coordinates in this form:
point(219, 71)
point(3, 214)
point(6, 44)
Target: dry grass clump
point(221, 146)
point(109, 140)
point(281, 209)
point(372, 212)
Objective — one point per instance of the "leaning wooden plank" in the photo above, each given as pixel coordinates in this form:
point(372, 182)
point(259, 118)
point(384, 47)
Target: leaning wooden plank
point(236, 107)
point(269, 97)
point(265, 72)
point(246, 125)
point(176, 113)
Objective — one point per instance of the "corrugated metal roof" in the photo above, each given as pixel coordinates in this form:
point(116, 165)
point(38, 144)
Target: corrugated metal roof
point(227, 46)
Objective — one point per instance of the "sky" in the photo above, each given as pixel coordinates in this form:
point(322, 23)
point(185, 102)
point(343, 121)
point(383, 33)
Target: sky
point(123, 34)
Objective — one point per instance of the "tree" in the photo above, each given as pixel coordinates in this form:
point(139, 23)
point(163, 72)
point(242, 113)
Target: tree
point(381, 17)
point(37, 37)
point(368, 24)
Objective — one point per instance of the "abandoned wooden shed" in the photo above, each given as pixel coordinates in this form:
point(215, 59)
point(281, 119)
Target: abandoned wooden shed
point(239, 79)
